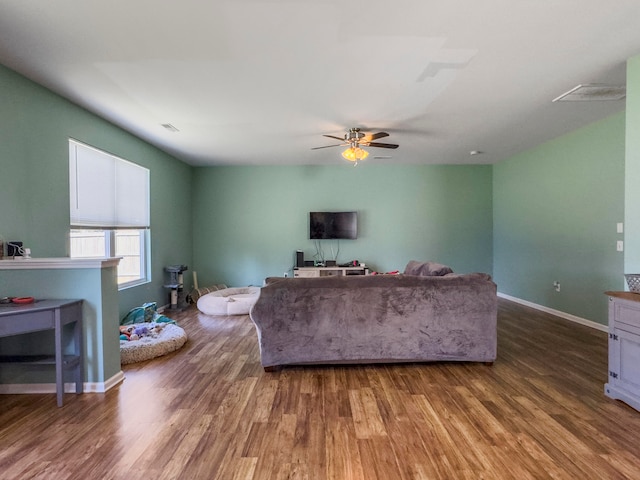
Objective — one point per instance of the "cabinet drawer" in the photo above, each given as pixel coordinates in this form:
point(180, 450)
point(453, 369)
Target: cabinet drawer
point(626, 316)
point(27, 322)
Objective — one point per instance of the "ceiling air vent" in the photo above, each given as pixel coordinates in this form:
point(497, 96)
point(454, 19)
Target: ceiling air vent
point(592, 92)
point(169, 127)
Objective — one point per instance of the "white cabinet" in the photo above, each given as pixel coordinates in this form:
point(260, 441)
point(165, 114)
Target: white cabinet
point(306, 272)
point(624, 348)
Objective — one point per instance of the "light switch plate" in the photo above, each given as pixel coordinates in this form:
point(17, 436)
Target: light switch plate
point(620, 227)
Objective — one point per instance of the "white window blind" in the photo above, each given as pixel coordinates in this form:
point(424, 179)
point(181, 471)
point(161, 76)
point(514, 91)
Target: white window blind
point(106, 191)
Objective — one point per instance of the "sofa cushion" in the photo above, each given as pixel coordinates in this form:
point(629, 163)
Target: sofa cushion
point(426, 269)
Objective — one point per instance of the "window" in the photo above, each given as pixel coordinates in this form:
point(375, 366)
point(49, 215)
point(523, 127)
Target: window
point(129, 244)
point(109, 211)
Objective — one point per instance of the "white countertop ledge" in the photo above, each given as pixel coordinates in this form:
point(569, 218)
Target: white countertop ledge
point(58, 263)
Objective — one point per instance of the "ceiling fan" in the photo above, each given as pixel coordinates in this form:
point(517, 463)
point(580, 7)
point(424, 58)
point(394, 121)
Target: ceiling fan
point(355, 140)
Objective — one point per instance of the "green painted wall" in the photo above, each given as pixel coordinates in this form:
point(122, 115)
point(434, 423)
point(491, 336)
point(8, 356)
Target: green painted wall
point(555, 214)
point(35, 126)
point(632, 169)
point(249, 221)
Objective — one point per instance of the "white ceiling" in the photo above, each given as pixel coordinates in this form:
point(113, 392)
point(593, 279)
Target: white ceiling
point(259, 82)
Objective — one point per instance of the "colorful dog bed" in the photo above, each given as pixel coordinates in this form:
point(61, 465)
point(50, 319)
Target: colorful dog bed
point(145, 334)
point(166, 338)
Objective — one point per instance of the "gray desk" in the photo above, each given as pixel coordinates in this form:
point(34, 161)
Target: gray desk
point(47, 315)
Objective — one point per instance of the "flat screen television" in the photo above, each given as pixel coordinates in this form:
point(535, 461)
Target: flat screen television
point(333, 225)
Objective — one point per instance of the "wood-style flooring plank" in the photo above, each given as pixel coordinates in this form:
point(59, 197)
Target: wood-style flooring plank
point(209, 411)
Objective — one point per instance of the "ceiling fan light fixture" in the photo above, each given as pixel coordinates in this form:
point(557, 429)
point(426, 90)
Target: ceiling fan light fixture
point(354, 139)
point(355, 154)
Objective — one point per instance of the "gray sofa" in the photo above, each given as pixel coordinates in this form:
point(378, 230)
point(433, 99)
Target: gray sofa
point(376, 319)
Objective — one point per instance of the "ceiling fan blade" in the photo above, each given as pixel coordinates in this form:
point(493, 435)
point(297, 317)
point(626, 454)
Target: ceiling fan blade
point(382, 145)
point(373, 136)
point(329, 146)
point(337, 138)
point(378, 135)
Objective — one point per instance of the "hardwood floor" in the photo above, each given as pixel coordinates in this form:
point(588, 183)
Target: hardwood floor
point(209, 411)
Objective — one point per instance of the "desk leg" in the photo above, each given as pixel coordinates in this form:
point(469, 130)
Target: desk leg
point(59, 357)
point(79, 351)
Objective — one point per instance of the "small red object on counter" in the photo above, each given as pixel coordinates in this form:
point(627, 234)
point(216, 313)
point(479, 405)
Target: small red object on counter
point(23, 300)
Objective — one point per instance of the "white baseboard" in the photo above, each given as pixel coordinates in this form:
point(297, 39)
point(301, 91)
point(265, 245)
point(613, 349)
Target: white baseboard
point(162, 308)
point(557, 313)
point(102, 387)
point(70, 387)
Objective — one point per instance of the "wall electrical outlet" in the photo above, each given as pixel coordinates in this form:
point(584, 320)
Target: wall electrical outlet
point(620, 246)
point(286, 274)
point(556, 286)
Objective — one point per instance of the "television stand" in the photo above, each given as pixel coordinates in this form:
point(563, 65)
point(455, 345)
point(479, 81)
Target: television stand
point(310, 272)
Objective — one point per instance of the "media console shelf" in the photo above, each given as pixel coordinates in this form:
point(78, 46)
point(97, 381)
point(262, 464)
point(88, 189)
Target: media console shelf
point(307, 272)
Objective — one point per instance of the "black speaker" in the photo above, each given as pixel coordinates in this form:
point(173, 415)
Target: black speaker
point(299, 258)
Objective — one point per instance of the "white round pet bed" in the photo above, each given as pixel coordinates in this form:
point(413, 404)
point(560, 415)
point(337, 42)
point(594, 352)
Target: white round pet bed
point(229, 301)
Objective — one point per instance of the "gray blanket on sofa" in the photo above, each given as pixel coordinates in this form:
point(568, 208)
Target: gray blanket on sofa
point(382, 318)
